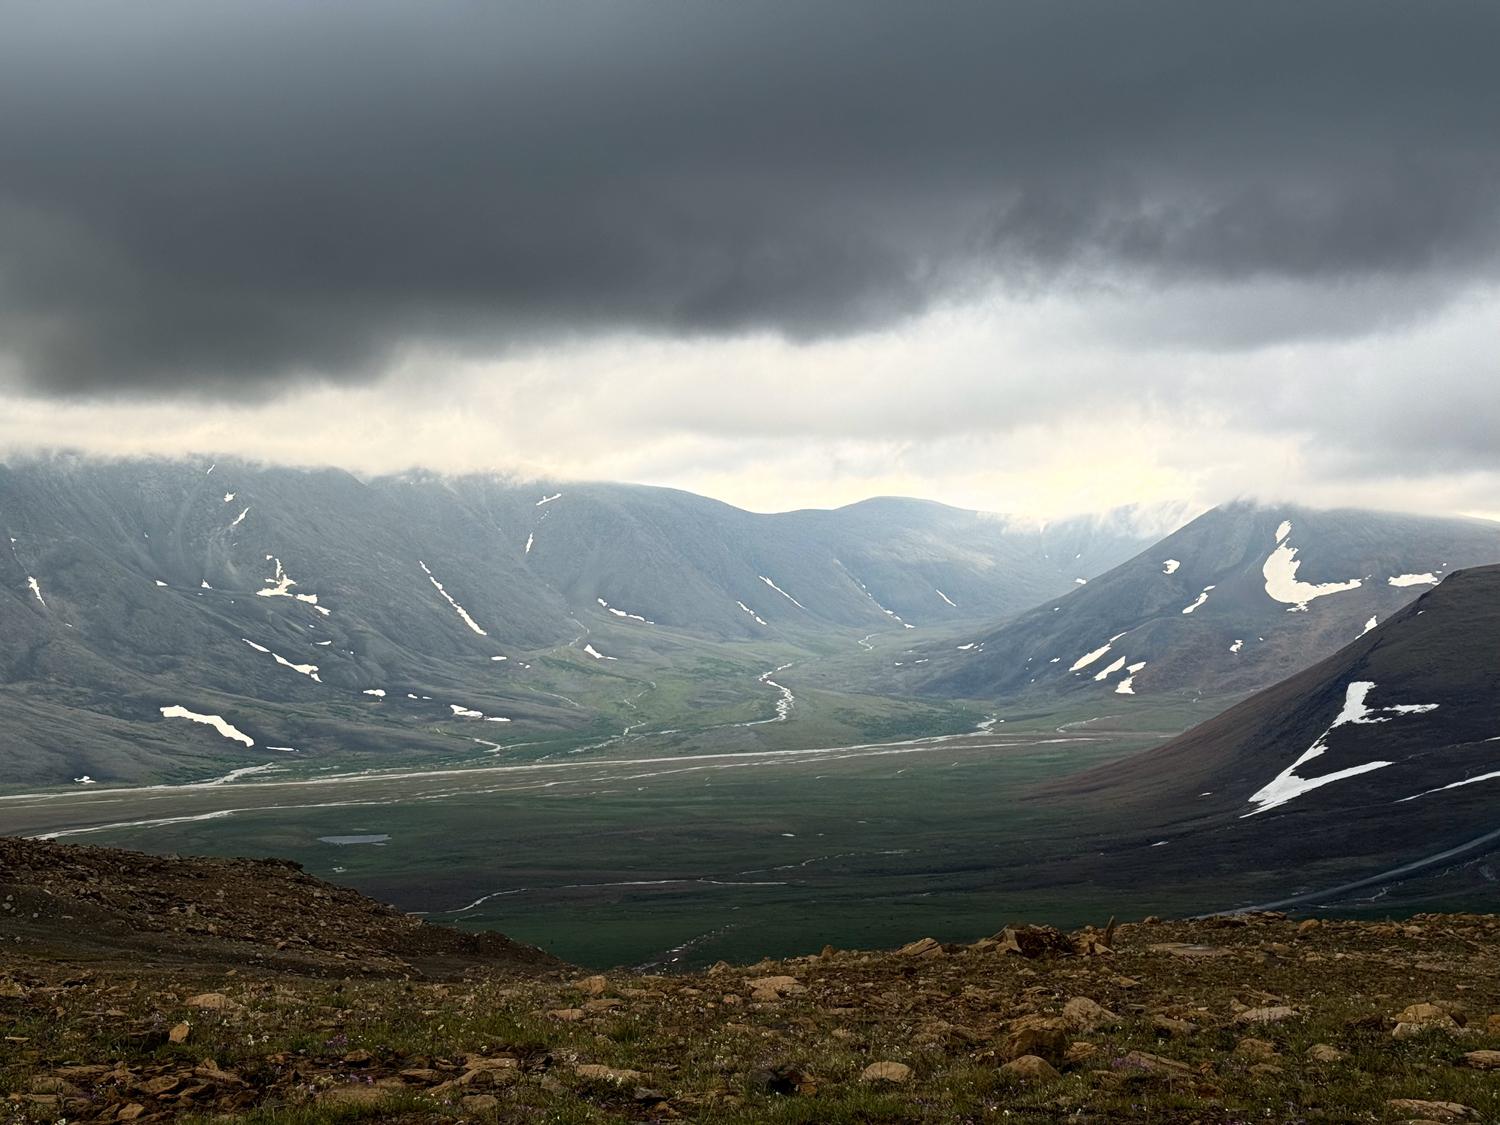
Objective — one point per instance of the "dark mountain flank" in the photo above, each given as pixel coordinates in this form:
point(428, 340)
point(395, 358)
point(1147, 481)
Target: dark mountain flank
point(1383, 756)
point(1233, 602)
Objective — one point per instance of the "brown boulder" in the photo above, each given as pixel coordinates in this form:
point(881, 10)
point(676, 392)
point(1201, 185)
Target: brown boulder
point(1256, 1050)
point(1029, 1069)
point(886, 1071)
point(1082, 1014)
point(1044, 1036)
point(1153, 1066)
point(595, 985)
point(1325, 1053)
point(922, 947)
point(1169, 1028)
point(1034, 941)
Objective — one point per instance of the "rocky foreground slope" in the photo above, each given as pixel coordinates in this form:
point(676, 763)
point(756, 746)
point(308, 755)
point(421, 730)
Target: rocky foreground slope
point(107, 906)
point(1219, 1020)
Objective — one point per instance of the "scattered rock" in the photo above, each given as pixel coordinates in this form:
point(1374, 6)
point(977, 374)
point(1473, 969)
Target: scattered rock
point(353, 1094)
point(480, 1103)
point(886, 1071)
point(1029, 1069)
point(922, 947)
point(1079, 1051)
point(1154, 1066)
point(1256, 1050)
point(1276, 1013)
point(211, 1002)
point(566, 1015)
point(1169, 1028)
point(1325, 1053)
point(767, 990)
point(180, 1033)
point(1408, 1030)
point(1188, 950)
point(606, 1073)
point(784, 1081)
point(1083, 1014)
point(1426, 1013)
point(1483, 1060)
point(1033, 942)
point(50, 1084)
point(1045, 1036)
point(1434, 1111)
point(595, 985)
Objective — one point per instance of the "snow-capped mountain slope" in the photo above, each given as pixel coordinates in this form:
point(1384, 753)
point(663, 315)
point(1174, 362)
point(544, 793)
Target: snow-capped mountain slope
point(301, 607)
point(1234, 601)
point(1389, 749)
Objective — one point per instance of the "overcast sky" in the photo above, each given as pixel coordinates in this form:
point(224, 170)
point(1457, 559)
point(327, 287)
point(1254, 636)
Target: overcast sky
point(1035, 257)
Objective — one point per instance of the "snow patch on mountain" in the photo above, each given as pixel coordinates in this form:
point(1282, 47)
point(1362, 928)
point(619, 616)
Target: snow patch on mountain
point(1424, 579)
point(1453, 785)
point(1127, 685)
point(1089, 657)
point(945, 597)
point(1169, 566)
point(308, 670)
point(787, 596)
point(462, 712)
point(1110, 669)
point(216, 721)
point(1287, 786)
point(758, 619)
point(596, 654)
point(462, 613)
point(36, 589)
point(1280, 572)
point(280, 586)
point(621, 613)
point(1203, 597)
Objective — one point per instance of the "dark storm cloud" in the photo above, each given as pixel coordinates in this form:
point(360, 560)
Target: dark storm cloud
point(222, 197)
